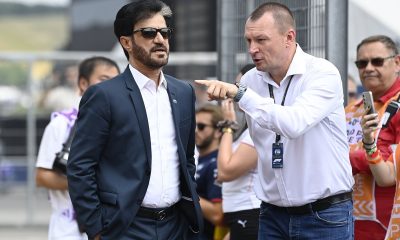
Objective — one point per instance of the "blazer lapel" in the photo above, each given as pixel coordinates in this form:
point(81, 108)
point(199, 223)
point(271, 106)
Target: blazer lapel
point(140, 109)
point(171, 89)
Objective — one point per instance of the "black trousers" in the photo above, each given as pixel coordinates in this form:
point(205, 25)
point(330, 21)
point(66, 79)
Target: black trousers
point(173, 227)
point(243, 224)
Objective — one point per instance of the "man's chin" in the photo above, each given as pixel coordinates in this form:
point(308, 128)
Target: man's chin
point(158, 64)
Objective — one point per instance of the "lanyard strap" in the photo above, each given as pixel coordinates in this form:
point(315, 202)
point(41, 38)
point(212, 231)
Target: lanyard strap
point(271, 94)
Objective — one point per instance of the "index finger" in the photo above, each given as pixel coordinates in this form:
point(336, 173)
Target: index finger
point(366, 110)
point(203, 82)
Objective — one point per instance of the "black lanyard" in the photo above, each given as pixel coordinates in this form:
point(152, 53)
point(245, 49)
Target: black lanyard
point(271, 94)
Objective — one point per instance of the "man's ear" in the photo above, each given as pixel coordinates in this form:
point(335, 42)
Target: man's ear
point(397, 62)
point(83, 84)
point(125, 42)
point(290, 37)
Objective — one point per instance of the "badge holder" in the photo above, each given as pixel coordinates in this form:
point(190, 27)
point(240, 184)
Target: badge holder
point(277, 155)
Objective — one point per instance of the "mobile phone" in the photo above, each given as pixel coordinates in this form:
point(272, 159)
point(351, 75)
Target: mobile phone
point(368, 100)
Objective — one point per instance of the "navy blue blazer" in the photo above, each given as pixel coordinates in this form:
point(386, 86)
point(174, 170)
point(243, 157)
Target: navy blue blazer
point(109, 164)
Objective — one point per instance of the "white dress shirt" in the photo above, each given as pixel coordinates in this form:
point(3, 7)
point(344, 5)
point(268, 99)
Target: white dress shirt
point(312, 127)
point(163, 189)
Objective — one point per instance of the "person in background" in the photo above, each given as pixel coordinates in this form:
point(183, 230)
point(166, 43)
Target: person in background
point(131, 167)
point(352, 90)
point(378, 65)
point(237, 162)
point(208, 188)
point(63, 95)
point(294, 109)
point(63, 223)
point(385, 172)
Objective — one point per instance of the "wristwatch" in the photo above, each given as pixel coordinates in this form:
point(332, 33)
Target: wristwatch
point(241, 90)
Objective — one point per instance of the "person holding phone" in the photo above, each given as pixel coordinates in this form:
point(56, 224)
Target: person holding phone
point(385, 172)
point(378, 64)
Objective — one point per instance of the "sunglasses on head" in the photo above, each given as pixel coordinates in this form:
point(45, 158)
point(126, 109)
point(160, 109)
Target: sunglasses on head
point(201, 126)
point(151, 33)
point(376, 62)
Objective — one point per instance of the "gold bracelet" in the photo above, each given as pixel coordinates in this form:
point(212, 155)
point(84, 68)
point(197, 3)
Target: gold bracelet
point(227, 130)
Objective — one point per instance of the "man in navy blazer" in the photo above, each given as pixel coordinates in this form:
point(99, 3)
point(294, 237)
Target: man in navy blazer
point(131, 166)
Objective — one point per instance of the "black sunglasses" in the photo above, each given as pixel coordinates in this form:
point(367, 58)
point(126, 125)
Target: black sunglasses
point(151, 33)
point(201, 126)
point(376, 62)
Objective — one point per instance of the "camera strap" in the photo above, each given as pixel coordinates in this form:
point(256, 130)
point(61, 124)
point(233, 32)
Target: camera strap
point(390, 111)
point(68, 142)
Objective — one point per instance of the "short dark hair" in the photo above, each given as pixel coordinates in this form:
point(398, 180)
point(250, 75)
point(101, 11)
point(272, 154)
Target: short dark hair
point(282, 15)
point(87, 66)
point(134, 12)
point(385, 40)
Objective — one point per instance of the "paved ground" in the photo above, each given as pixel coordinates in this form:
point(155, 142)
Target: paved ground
point(23, 233)
point(20, 220)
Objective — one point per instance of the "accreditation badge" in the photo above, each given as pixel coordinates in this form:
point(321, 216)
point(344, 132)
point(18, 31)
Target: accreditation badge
point(277, 155)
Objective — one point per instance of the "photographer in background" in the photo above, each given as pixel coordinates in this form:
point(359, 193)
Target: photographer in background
point(62, 222)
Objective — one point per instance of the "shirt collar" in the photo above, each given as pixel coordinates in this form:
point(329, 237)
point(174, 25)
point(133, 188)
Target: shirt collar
point(208, 156)
point(142, 80)
point(393, 90)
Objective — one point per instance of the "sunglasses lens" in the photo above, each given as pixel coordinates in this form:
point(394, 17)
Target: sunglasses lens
point(165, 32)
point(361, 63)
point(149, 33)
point(201, 126)
point(377, 62)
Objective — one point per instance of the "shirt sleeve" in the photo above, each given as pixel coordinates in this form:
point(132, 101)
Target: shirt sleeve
point(51, 143)
point(321, 96)
point(358, 162)
point(389, 136)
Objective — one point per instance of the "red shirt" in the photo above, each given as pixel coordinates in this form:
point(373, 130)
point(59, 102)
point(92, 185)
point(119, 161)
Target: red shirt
point(384, 196)
point(387, 136)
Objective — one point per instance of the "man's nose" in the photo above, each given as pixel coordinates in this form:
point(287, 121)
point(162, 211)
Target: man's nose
point(159, 38)
point(253, 48)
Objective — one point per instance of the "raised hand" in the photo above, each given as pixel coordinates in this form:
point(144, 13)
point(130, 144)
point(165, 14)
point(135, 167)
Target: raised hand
point(369, 124)
point(218, 90)
point(228, 110)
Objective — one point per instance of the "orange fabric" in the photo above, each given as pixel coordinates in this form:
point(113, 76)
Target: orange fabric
point(372, 204)
point(394, 224)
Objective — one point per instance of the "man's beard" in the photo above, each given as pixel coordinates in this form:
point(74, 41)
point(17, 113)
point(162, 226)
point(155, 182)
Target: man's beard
point(145, 57)
point(206, 143)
